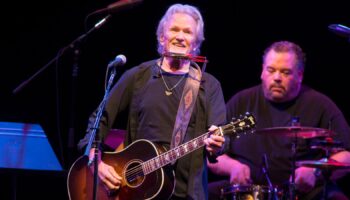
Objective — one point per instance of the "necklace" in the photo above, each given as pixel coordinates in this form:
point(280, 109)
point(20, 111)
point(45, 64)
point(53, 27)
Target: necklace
point(169, 91)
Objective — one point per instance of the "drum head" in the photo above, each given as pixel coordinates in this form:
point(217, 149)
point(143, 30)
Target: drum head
point(249, 192)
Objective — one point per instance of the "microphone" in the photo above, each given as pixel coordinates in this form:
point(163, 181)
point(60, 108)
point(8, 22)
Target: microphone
point(119, 60)
point(118, 6)
point(340, 30)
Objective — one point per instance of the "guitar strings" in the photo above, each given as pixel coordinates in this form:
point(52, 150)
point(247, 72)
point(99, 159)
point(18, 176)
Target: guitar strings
point(135, 171)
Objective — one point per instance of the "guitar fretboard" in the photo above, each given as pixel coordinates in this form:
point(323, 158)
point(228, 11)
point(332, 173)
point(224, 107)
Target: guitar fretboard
point(173, 154)
point(168, 157)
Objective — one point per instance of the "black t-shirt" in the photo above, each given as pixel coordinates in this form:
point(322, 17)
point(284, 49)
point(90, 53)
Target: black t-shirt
point(313, 109)
point(140, 92)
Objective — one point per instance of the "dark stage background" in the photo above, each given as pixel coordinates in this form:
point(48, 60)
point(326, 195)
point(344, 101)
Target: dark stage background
point(236, 34)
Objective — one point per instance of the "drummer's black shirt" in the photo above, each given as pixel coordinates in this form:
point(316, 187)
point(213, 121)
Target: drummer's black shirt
point(313, 110)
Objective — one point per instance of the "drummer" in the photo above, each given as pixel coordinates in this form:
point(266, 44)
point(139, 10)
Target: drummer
point(280, 100)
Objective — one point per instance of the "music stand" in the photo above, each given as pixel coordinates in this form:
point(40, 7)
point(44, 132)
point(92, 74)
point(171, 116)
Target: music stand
point(24, 146)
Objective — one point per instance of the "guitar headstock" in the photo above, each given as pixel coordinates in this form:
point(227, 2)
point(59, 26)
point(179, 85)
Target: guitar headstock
point(243, 123)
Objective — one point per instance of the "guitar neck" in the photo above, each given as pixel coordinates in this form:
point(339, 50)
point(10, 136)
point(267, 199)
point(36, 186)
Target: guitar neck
point(173, 154)
point(181, 150)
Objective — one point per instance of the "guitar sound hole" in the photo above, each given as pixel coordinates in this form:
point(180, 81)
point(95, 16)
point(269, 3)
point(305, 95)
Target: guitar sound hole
point(134, 174)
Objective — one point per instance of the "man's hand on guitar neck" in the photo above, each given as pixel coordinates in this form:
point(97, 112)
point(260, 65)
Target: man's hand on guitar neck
point(214, 143)
point(106, 173)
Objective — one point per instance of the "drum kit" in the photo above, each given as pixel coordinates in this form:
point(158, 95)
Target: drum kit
point(323, 140)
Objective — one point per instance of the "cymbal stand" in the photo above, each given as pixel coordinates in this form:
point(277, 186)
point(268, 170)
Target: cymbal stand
point(292, 188)
point(292, 184)
point(326, 173)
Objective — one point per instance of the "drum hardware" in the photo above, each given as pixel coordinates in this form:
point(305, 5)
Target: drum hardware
point(250, 192)
point(326, 165)
point(328, 145)
point(264, 168)
point(294, 132)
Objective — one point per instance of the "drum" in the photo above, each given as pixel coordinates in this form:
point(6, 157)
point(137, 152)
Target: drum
point(250, 192)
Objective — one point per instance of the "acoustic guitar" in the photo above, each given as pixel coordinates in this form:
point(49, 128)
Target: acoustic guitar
point(145, 167)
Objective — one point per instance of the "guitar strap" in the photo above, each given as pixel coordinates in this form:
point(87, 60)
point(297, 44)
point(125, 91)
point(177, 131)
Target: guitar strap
point(186, 105)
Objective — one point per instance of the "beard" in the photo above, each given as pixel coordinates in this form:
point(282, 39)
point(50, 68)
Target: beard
point(279, 93)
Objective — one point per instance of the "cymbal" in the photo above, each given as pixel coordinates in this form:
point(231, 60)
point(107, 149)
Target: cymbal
point(296, 131)
point(327, 164)
point(328, 144)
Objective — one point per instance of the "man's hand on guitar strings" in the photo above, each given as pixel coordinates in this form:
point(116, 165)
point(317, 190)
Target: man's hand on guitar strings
point(109, 176)
point(106, 173)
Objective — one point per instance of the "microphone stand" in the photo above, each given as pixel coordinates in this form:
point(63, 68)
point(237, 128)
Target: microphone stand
point(71, 130)
point(94, 140)
point(73, 45)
